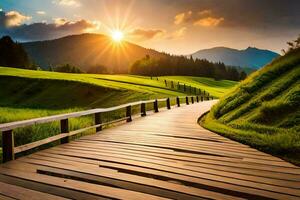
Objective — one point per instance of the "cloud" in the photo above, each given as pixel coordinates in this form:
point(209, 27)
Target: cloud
point(146, 33)
point(14, 18)
point(183, 17)
point(73, 3)
point(42, 31)
point(59, 21)
point(203, 18)
point(209, 22)
point(178, 33)
point(205, 12)
point(40, 12)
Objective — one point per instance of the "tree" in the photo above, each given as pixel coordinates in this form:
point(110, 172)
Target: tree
point(292, 45)
point(13, 54)
point(185, 66)
point(67, 68)
point(243, 75)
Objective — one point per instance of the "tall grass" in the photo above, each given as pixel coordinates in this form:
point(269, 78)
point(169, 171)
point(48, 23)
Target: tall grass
point(264, 110)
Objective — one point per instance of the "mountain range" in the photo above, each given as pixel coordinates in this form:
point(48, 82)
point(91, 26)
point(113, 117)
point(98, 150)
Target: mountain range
point(87, 51)
point(92, 51)
point(251, 57)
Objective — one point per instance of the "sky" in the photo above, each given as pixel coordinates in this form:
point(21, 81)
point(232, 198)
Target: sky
point(173, 26)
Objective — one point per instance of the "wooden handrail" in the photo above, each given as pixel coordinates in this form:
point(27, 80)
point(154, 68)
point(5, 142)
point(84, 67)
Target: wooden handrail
point(9, 150)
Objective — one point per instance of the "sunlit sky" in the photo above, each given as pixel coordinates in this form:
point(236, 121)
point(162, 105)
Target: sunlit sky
point(174, 26)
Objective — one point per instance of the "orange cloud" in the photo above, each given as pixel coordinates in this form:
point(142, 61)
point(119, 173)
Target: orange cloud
point(183, 17)
point(146, 34)
point(209, 22)
point(14, 18)
point(203, 18)
point(59, 21)
point(205, 12)
point(87, 26)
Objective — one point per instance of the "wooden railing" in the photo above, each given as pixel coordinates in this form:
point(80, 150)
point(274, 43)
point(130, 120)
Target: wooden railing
point(9, 150)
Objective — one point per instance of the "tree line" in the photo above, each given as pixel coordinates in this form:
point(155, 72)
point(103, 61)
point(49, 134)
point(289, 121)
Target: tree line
point(185, 66)
point(12, 54)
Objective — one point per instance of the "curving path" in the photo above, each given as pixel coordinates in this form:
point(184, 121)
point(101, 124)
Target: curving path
point(164, 155)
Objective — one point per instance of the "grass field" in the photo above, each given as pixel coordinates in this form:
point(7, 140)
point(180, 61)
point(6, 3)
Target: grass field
point(264, 110)
point(29, 94)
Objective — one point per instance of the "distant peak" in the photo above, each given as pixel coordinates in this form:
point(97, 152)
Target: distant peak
point(251, 48)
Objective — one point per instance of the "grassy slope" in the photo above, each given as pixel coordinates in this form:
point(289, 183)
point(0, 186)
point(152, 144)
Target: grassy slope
point(215, 88)
point(29, 94)
point(264, 110)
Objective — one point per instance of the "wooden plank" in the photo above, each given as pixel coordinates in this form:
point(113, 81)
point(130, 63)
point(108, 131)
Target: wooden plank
point(218, 170)
point(51, 189)
point(237, 179)
point(3, 197)
point(99, 190)
point(196, 150)
point(128, 181)
point(186, 170)
point(206, 160)
point(190, 161)
point(23, 193)
point(32, 145)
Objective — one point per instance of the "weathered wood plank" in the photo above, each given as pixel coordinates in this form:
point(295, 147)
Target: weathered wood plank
point(99, 190)
point(23, 193)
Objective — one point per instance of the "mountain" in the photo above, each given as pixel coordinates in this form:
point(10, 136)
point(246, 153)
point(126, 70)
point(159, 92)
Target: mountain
point(250, 58)
point(87, 51)
point(264, 110)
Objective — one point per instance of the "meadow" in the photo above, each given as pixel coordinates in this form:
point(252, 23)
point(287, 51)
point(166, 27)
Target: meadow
point(264, 111)
point(27, 94)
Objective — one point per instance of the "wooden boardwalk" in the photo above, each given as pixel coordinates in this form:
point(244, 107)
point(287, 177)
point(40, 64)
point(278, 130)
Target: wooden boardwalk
point(163, 156)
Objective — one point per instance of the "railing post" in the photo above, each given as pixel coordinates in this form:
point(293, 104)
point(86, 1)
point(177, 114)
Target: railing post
point(197, 99)
point(143, 109)
point(178, 101)
point(98, 120)
point(212, 98)
point(168, 104)
point(192, 98)
point(128, 114)
point(155, 106)
point(201, 98)
point(64, 128)
point(187, 100)
point(8, 146)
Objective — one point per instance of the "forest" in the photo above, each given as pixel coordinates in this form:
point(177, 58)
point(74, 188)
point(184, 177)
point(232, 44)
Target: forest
point(185, 66)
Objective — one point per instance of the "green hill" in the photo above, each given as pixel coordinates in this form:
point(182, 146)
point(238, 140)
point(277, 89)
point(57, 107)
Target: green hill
point(26, 94)
point(264, 110)
point(55, 91)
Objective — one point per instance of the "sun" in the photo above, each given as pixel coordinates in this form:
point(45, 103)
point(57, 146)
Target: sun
point(117, 36)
